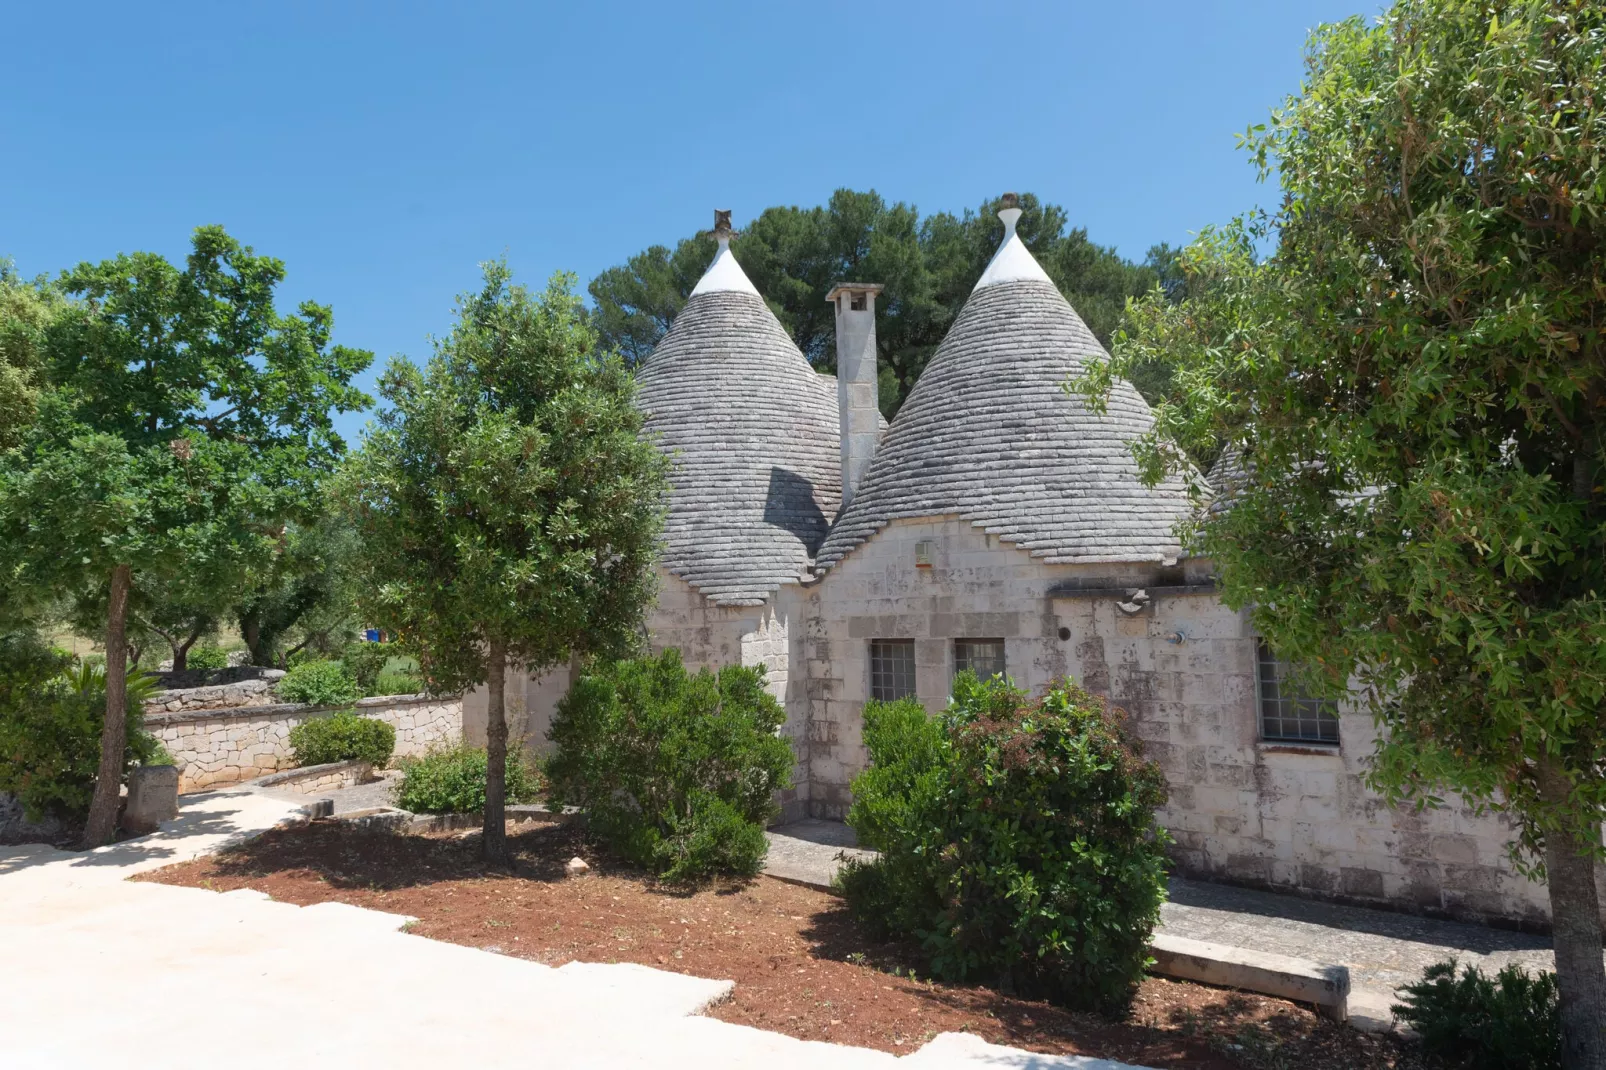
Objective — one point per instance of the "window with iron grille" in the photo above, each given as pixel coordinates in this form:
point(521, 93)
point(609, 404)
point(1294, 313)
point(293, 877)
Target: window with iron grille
point(1287, 714)
point(984, 657)
point(892, 669)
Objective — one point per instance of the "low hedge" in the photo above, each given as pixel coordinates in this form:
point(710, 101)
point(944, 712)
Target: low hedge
point(343, 737)
point(319, 683)
point(452, 781)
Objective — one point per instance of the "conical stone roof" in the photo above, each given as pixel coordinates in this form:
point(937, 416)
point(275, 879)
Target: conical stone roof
point(990, 434)
point(753, 433)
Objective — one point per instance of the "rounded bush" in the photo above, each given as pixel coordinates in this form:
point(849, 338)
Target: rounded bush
point(453, 782)
point(319, 683)
point(676, 771)
point(50, 720)
point(1507, 1022)
point(343, 737)
point(1018, 841)
point(207, 656)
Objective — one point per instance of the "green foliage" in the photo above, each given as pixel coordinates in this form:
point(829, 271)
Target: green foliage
point(306, 598)
point(1510, 1022)
point(26, 311)
point(398, 682)
point(1018, 841)
point(50, 717)
point(453, 782)
point(928, 265)
point(343, 737)
point(1416, 380)
point(676, 771)
point(365, 661)
point(207, 656)
point(319, 683)
point(507, 493)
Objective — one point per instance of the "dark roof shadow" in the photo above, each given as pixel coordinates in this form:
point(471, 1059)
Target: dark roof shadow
point(790, 505)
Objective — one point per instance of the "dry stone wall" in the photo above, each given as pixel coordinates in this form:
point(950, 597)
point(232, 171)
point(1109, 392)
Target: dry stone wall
point(1252, 812)
point(228, 745)
point(258, 692)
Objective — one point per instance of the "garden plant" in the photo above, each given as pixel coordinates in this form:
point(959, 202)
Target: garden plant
point(677, 771)
point(1018, 841)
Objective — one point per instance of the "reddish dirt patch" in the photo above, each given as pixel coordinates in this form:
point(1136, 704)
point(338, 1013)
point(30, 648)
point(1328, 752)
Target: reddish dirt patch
point(801, 964)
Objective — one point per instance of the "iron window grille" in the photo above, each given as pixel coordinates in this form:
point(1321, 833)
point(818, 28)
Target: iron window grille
point(1287, 714)
point(984, 657)
point(892, 669)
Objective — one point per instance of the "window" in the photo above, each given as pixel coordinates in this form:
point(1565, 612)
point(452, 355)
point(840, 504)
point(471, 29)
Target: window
point(984, 657)
point(892, 669)
point(1288, 715)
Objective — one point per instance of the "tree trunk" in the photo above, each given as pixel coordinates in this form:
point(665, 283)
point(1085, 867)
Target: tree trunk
point(493, 845)
point(1575, 920)
point(114, 729)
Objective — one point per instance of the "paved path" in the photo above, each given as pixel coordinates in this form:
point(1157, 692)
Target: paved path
point(96, 970)
point(376, 793)
point(1383, 950)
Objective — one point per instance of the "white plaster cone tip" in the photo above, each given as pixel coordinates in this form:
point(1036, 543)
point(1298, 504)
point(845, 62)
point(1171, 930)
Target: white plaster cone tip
point(1013, 261)
point(725, 274)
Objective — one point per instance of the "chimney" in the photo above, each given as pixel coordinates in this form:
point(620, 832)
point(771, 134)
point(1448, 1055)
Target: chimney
point(856, 385)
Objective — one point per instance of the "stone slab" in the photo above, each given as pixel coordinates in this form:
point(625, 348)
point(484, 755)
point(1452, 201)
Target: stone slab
point(1324, 984)
point(186, 979)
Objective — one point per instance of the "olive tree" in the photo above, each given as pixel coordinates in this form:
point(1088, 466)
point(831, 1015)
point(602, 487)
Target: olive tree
point(179, 419)
point(507, 504)
point(1413, 382)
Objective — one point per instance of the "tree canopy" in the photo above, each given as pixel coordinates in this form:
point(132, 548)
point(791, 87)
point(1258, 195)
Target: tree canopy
point(1414, 386)
point(180, 420)
point(507, 502)
point(928, 264)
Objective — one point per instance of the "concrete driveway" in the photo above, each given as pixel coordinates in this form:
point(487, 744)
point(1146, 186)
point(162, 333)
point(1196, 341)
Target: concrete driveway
point(96, 970)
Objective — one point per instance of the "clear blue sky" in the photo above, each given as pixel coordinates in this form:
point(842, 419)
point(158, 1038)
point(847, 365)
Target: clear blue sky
point(384, 150)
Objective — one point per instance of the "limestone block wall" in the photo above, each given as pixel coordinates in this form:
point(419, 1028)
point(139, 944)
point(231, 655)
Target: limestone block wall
point(225, 746)
point(1253, 812)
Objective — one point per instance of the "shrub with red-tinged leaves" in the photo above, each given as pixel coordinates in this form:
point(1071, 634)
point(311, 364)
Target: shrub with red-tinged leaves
point(1018, 841)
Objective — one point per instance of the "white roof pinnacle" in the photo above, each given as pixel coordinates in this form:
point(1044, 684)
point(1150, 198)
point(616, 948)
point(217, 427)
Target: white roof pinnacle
point(724, 274)
point(1013, 260)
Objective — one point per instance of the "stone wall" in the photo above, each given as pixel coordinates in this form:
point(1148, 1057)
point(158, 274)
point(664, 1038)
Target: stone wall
point(1287, 817)
point(225, 746)
point(258, 692)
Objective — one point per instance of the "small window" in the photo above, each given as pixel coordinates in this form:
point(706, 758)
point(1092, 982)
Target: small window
point(892, 669)
point(1287, 714)
point(984, 657)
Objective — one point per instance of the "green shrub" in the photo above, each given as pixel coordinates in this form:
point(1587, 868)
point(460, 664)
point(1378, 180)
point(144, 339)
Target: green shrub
point(366, 661)
point(453, 782)
point(319, 683)
point(1018, 841)
point(343, 737)
point(1509, 1021)
point(396, 682)
point(675, 771)
point(207, 656)
point(51, 712)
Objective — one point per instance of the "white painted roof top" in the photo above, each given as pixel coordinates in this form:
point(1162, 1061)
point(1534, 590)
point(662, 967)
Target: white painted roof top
point(1013, 261)
point(725, 275)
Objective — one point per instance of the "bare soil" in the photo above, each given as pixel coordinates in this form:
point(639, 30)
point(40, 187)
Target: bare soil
point(802, 965)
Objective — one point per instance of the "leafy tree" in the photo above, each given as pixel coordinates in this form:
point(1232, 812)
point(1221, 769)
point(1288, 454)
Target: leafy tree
point(306, 596)
point(1415, 382)
point(928, 265)
point(185, 419)
point(26, 310)
point(508, 505)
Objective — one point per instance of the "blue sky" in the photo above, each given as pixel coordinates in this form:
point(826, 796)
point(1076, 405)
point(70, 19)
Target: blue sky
point(384, 150)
